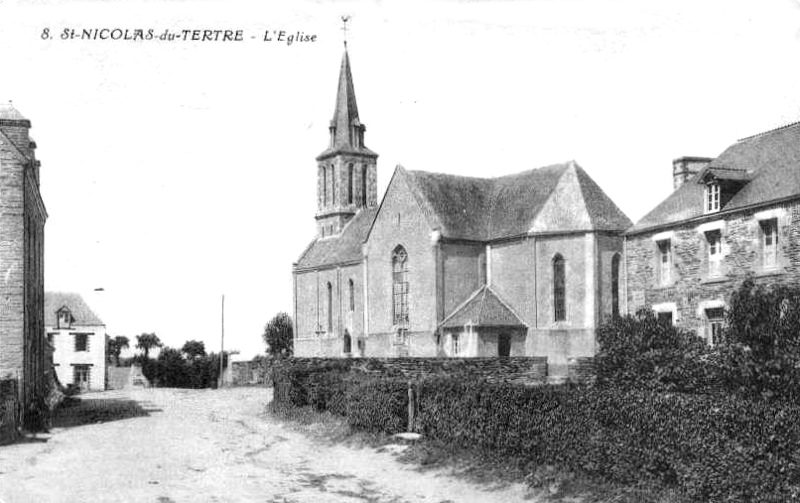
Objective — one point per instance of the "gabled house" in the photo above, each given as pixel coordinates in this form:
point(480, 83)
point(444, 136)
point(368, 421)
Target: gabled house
point(730, 217)
point(447, 265)
point(78, 338)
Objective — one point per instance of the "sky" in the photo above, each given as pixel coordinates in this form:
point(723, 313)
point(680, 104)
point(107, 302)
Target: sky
point(178, 172)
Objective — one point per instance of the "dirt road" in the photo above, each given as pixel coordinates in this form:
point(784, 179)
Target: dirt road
point(215, 446)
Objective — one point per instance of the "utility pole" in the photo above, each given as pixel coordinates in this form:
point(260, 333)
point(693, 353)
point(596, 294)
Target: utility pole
point(222, 346)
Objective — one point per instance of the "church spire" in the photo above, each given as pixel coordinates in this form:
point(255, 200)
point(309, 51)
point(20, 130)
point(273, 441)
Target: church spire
point(347, 170)
point(346, 130)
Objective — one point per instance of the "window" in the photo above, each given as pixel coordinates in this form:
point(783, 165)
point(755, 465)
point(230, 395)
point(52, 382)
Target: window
point(615, 285)
point(333, 184)
point(350, 183)
point(81, 376)
point(769, 243)
point(352, 289)
point(81, 342)
point(330, 308)
point(401, 336)
point(712, 197)
point(715, 318)
point(559, 289)
point(324, 186)
point(664, 262)
point(364, 185)
point(64, 318)
point(456, 347)
point(400, 286)
point(714, 239)
point(665, 317)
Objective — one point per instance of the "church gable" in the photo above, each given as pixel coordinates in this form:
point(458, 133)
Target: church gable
point(578, 204)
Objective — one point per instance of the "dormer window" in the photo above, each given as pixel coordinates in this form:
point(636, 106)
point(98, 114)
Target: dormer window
point(712, 197)
point(64, 318)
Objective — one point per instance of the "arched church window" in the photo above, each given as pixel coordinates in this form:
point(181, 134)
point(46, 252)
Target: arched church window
point(352, 289)
point(363, 184)
point(333, 185)
point(330, 308)
point(400, 286)
point(559, 289)
point(615, 285)
point(324, 186)
point(350, 175)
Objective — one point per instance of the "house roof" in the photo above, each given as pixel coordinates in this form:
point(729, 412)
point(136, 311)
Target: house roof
point(556, 198)
point(483, 308)
point(82, 314)
point(342, 248)
point(768, 164)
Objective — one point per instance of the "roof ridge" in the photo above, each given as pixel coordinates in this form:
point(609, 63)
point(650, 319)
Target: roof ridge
point(779, 128)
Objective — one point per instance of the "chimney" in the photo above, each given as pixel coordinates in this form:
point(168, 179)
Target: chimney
point(683, 168)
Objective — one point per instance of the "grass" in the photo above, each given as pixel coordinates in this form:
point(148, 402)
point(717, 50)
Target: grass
point(547, 483)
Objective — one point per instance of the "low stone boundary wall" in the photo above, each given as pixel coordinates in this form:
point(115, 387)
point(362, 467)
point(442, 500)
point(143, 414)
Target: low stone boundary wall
point(253, 372)
point(519, 369)
point(9, 410)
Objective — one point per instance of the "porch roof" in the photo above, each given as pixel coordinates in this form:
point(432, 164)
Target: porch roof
point(483, 308)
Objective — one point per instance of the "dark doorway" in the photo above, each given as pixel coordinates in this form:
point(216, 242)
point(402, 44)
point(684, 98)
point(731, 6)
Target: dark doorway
point(347, 343)
point(503, 345)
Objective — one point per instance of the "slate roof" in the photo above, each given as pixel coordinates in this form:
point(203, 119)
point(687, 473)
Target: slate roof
point(345, 115)
point(556, 198)
point(82, 314)
point(483, 308)
point(767, 163)
point(8, 112)
point(342, 248)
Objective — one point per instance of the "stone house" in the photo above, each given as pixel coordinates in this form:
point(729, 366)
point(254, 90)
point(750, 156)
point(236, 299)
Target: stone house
point(729, 217)
point(23, 349)
point(78, 337)
point(521, 265)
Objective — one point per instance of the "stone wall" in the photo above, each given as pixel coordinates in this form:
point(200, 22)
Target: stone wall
point(692, 289)
point(401, 222)
point(9, 410)
point(22, 217)
point(253, 372)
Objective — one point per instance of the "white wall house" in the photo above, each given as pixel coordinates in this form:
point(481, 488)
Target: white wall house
point(78, 338)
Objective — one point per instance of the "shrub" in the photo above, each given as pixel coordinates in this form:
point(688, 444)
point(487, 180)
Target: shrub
point(762, 350)
point(713, 447)
point(377, 404)
point(644, 352)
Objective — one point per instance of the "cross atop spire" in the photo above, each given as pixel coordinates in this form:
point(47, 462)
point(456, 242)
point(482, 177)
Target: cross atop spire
point(345, 19)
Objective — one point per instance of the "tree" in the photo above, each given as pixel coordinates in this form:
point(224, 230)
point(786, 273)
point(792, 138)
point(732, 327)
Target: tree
point(116, 345)
point(194, 349)
point(278, 335)
point(146, 342)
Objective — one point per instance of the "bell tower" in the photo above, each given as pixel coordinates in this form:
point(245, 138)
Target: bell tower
point(347, 169)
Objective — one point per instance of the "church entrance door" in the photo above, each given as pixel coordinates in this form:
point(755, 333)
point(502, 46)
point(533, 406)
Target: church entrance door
point(503, 345)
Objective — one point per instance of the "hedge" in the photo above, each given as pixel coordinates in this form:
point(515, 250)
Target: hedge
point(713, 447)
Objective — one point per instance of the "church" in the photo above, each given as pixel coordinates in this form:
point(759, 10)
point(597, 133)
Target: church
point(443, 265)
